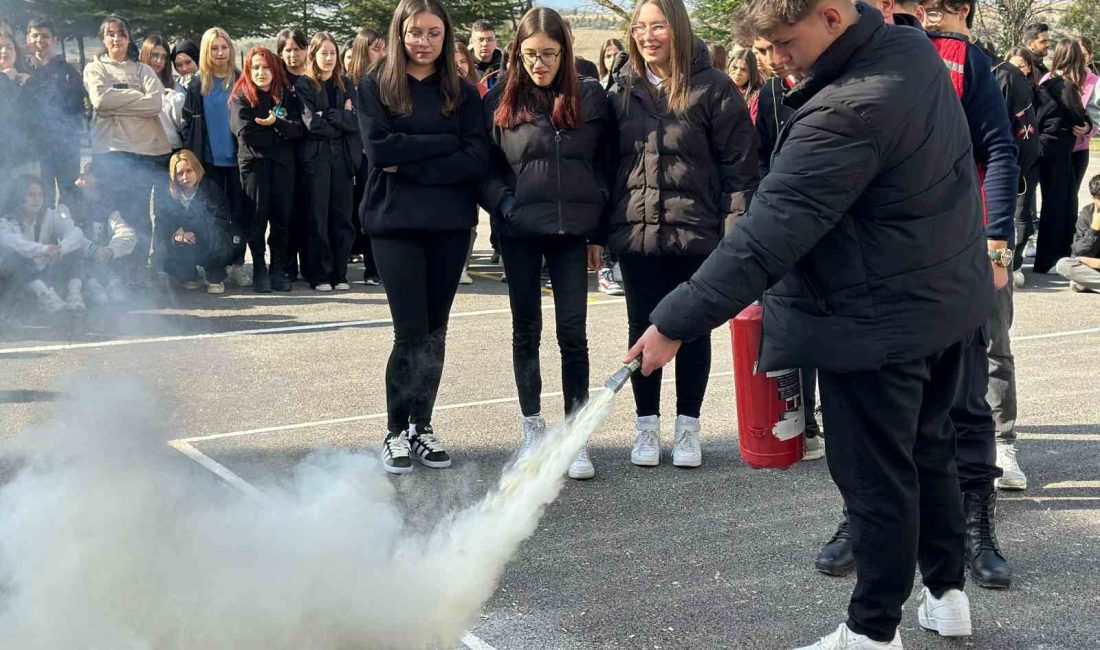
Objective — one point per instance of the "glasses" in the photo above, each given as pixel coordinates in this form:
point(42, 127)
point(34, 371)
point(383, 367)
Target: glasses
point(430, 37)
point(656, 29)
point(485, 40)
point(545, 57)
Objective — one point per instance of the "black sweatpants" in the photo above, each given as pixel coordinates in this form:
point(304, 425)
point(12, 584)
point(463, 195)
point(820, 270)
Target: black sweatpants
point(972, 417)
point(566, 258)
point(297, 250)
point(361, 246)
point(892, 454)
point(331, 233)
point(1079, 162)
point(420, 274)
point(1025, 212)
point(61, 165)
point(268, 194)
point(1058, 215)
point(212, 251)
point(647, 279)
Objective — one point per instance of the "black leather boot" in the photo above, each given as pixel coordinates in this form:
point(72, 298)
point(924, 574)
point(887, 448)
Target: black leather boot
point(988, 566)
point(835, 558)
point(261, 279)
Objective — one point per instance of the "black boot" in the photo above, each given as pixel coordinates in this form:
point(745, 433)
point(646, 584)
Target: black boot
point(988, 567)
point(261, 279)
point(835, 558)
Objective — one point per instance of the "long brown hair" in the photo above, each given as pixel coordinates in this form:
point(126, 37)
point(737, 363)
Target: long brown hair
point(463, 46)
point(756, 81)
point(521, 98)
point(314, 73)
point(393, 86)
point(600, 65)
point(146, 57)
point(360, 53)
point(1069, 62)
point(682, 44)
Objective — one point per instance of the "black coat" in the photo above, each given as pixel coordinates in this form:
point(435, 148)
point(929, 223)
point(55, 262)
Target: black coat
point(681, 179)
point(1020, 100)
point(55, 93)
point(543, 181)
point(208, 215)
point(868, 229)
point(771, 115)
point(441, 160)
point(1060, 112)
point(14, 127)
point(276, 142)
point(330, 129)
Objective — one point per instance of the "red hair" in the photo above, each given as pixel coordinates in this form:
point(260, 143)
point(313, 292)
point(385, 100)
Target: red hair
point(247, 89)
point(519, 102)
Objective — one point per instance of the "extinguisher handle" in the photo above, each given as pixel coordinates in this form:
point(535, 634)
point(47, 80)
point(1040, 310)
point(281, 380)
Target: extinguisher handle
point(618, 380)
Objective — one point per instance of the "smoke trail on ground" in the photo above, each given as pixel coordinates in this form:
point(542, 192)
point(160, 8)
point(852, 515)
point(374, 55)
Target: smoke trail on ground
point(108, 541)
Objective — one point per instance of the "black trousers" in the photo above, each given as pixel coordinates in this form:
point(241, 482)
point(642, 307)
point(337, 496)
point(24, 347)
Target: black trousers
point(566, 258)
point(1025, 212)
point(1079, 161)
point(62, 166)
point(972, 418)
point(647, 279)
point(331, 233)
point(362, 240)
point(268, 194)
point(892, 454)
point(420, 274)
point(1058, 216)
point(228, 180)
point(126, 181)
point(212, 251)
point(297, 250)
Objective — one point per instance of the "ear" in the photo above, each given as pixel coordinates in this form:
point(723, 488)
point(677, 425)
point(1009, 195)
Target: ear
point(922, 15)
point(833, 17)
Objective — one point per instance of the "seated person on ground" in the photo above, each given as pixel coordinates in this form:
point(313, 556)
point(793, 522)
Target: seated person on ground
point(1082, 268)
point(112, 240)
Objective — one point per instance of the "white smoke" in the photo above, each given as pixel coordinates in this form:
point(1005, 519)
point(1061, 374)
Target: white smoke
point(107, 541)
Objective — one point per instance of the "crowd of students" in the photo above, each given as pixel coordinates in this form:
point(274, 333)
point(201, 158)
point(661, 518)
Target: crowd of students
point(385, 146)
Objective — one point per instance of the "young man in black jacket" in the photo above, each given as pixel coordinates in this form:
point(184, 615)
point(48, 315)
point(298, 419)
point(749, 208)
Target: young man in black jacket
point(867, 230)
point(55, 91)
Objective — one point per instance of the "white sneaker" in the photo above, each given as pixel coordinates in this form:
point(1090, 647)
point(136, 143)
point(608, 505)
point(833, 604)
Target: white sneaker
point(215, 288)
point(815, 448)
point(846, 639)
point(647, 442)
point(581, 468)
point(240, 276)
point(97, 295)
point(396, 453)
point(342, 286)
point(534, 429)
point(607, 283)
point(685, 450)
point(1029, 247)
point(1018, 279)
point(324, 287)
point(1013, 477)
point(949, 615)
point(74, 298)
point(465, 278)
point(48, 300)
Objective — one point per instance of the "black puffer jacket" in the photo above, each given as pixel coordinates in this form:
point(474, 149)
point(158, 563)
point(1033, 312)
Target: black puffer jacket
point(868, 228)
point(548, 182)
point(681, 179)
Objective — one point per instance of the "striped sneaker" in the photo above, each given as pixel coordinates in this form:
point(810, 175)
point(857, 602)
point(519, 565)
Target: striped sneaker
point(426, 447)
point(395, 453)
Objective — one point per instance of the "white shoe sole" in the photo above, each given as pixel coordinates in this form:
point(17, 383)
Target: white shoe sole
point(689, 463)
point(816, 454)
point(943, 628)
point(645, 462)
point(397, 470)
point(434, 464)
point(1013, 484)
point(582, 475)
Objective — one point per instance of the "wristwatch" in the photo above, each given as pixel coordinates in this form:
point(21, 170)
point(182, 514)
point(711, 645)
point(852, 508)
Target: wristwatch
point(1002, 257)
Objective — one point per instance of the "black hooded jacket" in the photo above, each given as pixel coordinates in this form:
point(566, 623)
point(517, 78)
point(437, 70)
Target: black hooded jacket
point(682, 179)
point(868, 229)
point(546, 181)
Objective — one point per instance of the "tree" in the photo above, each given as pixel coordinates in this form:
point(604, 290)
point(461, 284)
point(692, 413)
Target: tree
point(1004, 21)
point(1082, 19)
point(713, 20)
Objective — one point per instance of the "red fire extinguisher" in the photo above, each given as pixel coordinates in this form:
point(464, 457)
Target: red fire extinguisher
point(770, 417)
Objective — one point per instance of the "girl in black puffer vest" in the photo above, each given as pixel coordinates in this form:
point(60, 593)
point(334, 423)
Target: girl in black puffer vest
point(687, 167)
point(547, 195)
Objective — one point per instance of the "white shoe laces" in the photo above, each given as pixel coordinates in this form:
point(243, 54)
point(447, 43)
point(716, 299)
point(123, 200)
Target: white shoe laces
point(646, 442)
point(688, 442)
point(430, 441)
point(582, 457)
point(397, 446)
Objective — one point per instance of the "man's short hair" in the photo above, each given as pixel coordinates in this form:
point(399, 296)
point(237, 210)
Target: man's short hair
point(42, 25)
point(1032, 31)
point(1094, 186)
point(956, 6)
point(757, 18)
point(483, 25)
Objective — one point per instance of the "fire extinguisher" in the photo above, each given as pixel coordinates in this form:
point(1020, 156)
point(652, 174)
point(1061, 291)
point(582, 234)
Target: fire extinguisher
point(770, 416)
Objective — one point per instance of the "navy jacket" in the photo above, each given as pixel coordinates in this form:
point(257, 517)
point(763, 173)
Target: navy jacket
point(868, 227)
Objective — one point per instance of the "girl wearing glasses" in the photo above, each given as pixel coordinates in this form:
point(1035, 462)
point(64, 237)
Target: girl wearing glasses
point(547, 195)
point(687, 168)
point(428, 153)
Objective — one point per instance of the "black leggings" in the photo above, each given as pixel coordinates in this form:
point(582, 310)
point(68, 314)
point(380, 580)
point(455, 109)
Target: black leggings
point(648, 279)
point(420, 274)
point(268, 195)
point(566, 258)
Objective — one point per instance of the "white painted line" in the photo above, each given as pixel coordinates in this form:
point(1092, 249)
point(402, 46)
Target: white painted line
point(474, 643)
point(222, 471)
point(1044, 499)
point(1061, 437)
point(1056, 335)
point(1071, 485)
point(379, 416)
point(265, 330)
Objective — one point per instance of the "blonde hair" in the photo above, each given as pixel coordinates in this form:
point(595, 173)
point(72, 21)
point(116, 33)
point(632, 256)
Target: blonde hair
point(206, 67)
point(682, 44)
point(183, 155)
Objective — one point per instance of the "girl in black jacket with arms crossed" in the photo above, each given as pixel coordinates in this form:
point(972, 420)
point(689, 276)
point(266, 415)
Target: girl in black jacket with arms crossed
point(428, 153)
point(548, 195)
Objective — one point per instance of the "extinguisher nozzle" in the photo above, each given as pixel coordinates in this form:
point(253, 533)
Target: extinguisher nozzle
point(618, 380)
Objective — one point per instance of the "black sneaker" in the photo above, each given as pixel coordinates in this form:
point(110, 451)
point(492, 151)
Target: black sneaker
point(427, 448)
point(395, 453)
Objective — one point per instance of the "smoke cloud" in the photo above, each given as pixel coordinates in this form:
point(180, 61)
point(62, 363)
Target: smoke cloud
point(109, 540)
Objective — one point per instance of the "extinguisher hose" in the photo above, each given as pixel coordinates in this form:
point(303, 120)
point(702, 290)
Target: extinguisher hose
point(618, 380)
